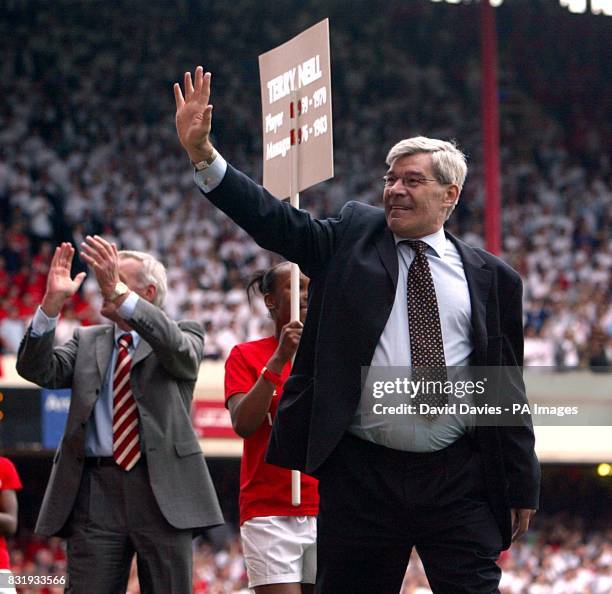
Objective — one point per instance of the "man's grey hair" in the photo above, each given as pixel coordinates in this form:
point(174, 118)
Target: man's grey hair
point(448, 162)
point(152, 272)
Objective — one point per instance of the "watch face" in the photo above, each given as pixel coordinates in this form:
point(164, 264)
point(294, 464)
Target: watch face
point(120, 289)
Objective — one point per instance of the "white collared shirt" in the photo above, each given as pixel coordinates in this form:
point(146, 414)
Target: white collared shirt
point(413, 432)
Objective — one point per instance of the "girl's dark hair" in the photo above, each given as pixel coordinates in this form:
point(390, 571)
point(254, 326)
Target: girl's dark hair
point(263, 281)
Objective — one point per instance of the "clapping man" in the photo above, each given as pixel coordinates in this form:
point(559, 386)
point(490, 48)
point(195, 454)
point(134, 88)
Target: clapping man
point(129, 476)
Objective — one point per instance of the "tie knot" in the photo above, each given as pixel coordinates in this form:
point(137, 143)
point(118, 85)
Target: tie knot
point(420, 247)
point(125, 340)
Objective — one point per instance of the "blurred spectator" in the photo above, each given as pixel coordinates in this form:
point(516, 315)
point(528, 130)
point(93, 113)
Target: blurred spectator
point(539, 351)
point(10, 483)
point(12, 327)
point(597, 354)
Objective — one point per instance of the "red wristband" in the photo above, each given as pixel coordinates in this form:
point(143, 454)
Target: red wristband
point(274, 378)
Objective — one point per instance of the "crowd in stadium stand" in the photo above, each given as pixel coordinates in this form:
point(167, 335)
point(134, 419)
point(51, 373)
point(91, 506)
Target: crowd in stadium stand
point(555, 559)
point(87, 145)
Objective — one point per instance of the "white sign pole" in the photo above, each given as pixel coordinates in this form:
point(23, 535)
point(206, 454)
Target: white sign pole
point(294, 199)
point(296, 78)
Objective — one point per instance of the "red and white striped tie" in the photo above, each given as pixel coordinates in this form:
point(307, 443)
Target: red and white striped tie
point(126, 440)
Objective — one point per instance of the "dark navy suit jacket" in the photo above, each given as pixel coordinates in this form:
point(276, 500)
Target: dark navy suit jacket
point(352, 264)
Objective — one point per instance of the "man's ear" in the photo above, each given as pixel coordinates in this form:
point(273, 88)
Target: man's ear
point(451, 195)
point(150, 293)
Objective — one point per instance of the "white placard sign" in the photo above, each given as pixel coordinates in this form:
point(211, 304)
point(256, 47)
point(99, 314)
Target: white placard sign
point(297, 111)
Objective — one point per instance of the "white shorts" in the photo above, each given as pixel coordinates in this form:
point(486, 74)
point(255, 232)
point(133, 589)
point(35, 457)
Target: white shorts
point(280, 550)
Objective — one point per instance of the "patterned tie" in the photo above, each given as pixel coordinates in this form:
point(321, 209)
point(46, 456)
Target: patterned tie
point(426, 346)
point(126, 440)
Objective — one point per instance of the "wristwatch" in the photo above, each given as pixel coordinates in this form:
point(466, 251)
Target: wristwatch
point(202, 165)
point(120, 289)
point(274, 378)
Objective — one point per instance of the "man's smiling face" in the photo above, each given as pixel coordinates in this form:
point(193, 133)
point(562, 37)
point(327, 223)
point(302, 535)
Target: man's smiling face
point(415, 202)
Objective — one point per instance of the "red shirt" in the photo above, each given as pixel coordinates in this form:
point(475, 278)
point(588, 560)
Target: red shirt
point(9, 479)
point(265, 489)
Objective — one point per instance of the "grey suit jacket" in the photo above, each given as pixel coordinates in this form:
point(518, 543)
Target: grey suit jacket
point(164, 371)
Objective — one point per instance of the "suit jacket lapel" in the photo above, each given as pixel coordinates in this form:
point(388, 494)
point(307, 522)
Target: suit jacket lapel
point(385, 245)
point(142, 351)
point(104, 349)
point(479, 283)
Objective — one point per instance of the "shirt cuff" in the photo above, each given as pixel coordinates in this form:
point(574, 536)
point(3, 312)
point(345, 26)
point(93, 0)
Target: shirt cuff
point(126, 309)
point(42, 323)
point(208, 179)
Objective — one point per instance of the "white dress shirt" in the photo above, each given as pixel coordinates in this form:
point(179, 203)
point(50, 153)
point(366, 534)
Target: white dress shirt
point(413, 432)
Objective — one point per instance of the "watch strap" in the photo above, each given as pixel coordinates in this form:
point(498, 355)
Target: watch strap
point(206, 163)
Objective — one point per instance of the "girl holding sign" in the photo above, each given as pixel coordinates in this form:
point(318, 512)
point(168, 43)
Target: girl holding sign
point(278, 539)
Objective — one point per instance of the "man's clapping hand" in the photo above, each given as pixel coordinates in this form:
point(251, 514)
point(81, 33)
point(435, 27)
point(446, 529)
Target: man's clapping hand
point(102, 256)
point(60, 285)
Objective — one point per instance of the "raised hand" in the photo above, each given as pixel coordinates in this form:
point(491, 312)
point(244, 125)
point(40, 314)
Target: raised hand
point(60, 285)
point(194, 115)
point(103, 257)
